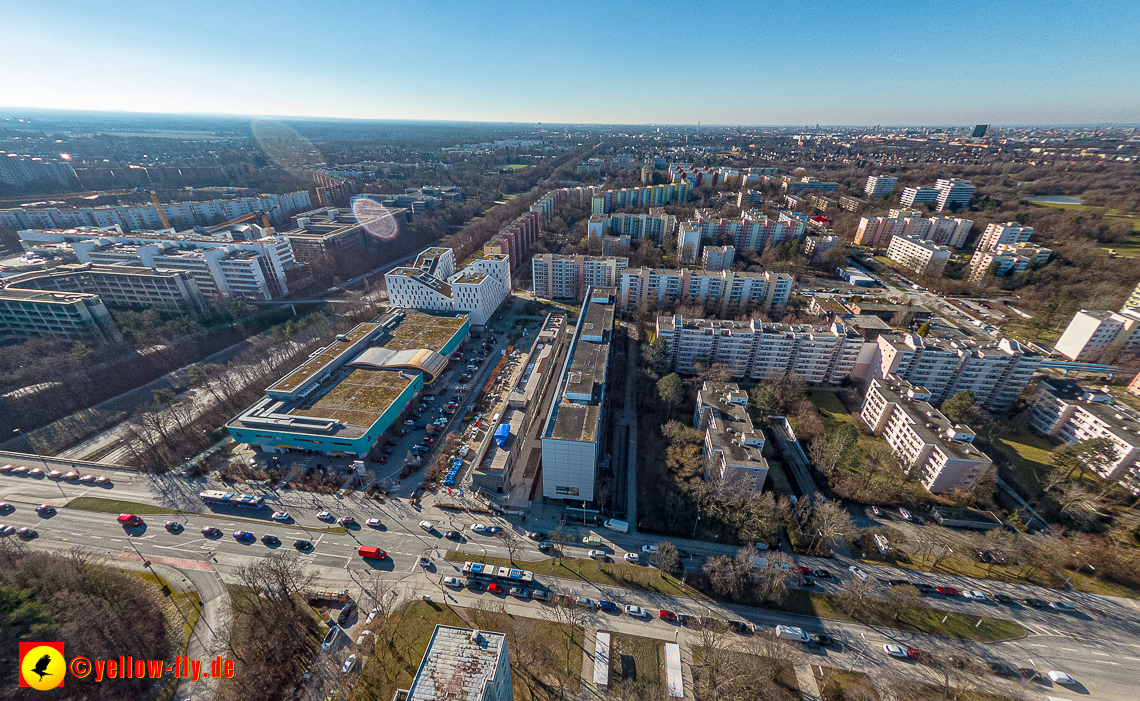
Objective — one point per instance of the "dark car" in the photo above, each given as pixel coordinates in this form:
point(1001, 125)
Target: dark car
point(607, 606)
point(346, 613)
point(173, 526)
point(682, 619)
point(243, 536)
point(45, 510)
point(822, 640)
point(302, 545)
point(473, 584)
point(270, 539)
point(807, 582)
point(536, 535)
point(1037, 603)
point(822, 574)
point(1002, 669)
point(453, 535)
point(211, 532)
point(899, 583)
point(925, 589)
point(1003, 598)
point(740, 627)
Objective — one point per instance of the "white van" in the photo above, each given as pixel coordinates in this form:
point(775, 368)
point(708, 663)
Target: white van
point(426, 525)
point(792, 633)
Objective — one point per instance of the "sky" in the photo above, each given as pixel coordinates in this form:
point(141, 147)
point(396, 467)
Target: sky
point(745, 62)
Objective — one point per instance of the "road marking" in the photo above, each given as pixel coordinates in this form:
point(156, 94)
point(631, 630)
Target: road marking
point(1103, 654)
point(1106, 662)
point(1036, 645)
point(1069, 649)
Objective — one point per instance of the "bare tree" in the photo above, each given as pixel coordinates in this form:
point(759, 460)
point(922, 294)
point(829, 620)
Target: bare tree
point(770, 582)
point(511, 541)
point(569, 620)
point(857, 596)
point(666, 557)
point(905, 598)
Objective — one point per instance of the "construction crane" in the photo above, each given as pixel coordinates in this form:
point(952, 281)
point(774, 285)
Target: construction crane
point(218, 227)
point(158, 206)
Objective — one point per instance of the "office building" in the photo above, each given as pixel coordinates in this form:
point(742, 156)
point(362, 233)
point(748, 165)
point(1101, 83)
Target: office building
point(939, 452)
point(1101, 336)
point(573, 439)
point(244, 261)
point(995, 372)
point(1133, 299)
point(717, 258)
point(756, 349)
point(432, 284)
point(732, 449)
point(341, 232)
point(1009, 232)
point(921, 256)
point(569, 277)
point(879, 185)
point(343, 398)
point(1005, 259)
point(728, 291)
point(75, 316)
point(1062, 409)
point(461, 664)
point(129, 286)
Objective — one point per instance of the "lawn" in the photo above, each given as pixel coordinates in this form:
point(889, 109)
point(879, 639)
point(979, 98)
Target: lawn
point(1124, 249)
point(835, 413)
point(1029, 459)
point(637, 659)
point(516, 166)
point(782, 671)
point(777, 478)
point(612, 573)
point(838, 685)
point(119, 506)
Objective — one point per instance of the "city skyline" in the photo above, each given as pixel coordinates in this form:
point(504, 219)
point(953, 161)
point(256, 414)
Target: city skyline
point(890, 64)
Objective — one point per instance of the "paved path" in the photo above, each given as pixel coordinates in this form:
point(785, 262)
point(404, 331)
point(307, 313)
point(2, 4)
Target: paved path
point(212, 627)
point(805, 677)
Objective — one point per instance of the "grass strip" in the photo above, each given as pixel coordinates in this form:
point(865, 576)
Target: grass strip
point(120, 506)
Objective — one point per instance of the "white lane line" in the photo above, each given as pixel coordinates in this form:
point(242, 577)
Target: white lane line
point(1069, 649)
point(1133, 659)
point(1105, 662)
point(1035, 645)
point(1103, 654)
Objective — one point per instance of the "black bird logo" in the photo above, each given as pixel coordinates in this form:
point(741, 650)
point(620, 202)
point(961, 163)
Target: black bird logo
point(41, 667)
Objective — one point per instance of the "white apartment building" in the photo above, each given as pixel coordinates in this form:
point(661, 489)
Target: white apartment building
point(879, 185)
point(1133, 299)
point(1009, 232)
point(173, 291)
point(247, 261)
point(655, 225)
point(729, 291)
point(461, 664)
point(1063, 410)
point(952, 191)
point(732, 448)
point(568, 277)
point(995, 372)
point(923, 257)
point(949, 231)
point(688, 243)
point(1006, 259)
point(76, 316)
point(918, 195)
point(431, 284)
point(940, 453)
point(1101, 336)
point(717, 258)
point(754, 349)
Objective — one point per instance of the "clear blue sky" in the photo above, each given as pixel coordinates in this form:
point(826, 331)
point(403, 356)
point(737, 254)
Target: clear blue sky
point(745, 62)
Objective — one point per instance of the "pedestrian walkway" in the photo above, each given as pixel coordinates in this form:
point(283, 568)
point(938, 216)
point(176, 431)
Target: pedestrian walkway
point(805, 678)
point(587, 689)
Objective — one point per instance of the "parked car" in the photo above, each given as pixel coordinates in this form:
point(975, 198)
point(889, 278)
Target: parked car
point(1063, 606)
point(280, 516)
point(649, 549)
point(455, 582)
point(666, 615)
point(1003, 598)
point(948, 591)
point(1037, 603)
point(607, 606)
point(330, 638)
point(493, 588)
point(896, 651)
point(632, 558)
point(346, 612)
point(821, 574)
point(349, 663)
point(519, 593)
point(636, 611)
point(905, 514)
point(858, 572)
point(973, 595)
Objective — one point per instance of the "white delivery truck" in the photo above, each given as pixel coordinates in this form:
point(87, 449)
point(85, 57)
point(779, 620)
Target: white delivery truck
point(792, 633)
point(615, 525)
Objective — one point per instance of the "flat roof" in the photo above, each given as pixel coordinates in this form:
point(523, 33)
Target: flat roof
point(458, 665)
point(325, 356)
point(44, 296)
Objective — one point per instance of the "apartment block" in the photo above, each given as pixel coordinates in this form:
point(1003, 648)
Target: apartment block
point(918, 195)
point(717, 258)
point(822, 203)
point(1009, 233)
point(1006, 259)
point(1133, 299)
point(654, 226)
point(952, 193)
point(516, 238)
point(697, 176)
point(688, 243)
point(569, 277)
point(923, 257)
point(17, 169)
point(76, 316)
point(792, 185)
point(879, 185)
point(1064, 410)
point(1101, 336)
point(244, 261)
point(939, 452)
point(995, 372)
point(461, 664)
point(432, 284)
point(851, 204)
point(727, 291)
point(755, 349)
point(732, 448)
point(753, 231)
point(137, 287)
point(573, 439)
point(877, 232)
point(949, 231)
point(814, 245)
point(606, 201)
point(341, 232)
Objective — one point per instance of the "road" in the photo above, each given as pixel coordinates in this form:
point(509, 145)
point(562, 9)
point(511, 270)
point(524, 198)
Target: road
point(1099, 645)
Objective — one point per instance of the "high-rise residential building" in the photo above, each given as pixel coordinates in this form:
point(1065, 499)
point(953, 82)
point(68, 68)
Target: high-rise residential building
point(879, 185)
point(573, 439)
point(1133, 299)
point(137, 287)
point(732, 449)
point(903, 213)
point(877, 232)
point(76, 316)
point(688, 243)
point(918, 195)
point(949, 231)
point(1064, 410)
point(728, 291)
point(807, 183)
point(921, 256)
point(431, 284)
point(995, 372)
point(717, 258)
point(655, 225)
point(851, 204)
point(1005, 259)
point(569, 277)
point(1009, 232)
point(952, 191)
point(461, 664)
point(341, 232)
point(1101, 336)
point(606, 201)
point(939, 452)
point(16, 170)
point(818, 354)
point(245, 261)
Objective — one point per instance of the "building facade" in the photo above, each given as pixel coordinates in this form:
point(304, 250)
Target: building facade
point(75, 316)
point(732, 450)
point(717, 258)
point(569, 277)
point(1005, 259)
point(879, 185)
point(921, 256)
point(173, 291)
point(728, 291)
point(432, 284)
point(1097, 335)
point(1009, 233)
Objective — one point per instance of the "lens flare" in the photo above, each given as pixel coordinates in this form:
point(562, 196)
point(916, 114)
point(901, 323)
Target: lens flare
point(377, 220)
point(285, 146)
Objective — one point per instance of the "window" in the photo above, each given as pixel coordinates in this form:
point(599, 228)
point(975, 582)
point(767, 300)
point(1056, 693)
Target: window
point(568, 491)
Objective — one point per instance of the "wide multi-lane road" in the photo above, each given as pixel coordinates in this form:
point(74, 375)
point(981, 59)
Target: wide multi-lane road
point(1099, 645)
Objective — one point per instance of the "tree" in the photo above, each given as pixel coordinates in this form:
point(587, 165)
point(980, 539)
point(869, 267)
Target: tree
point(511, 542)
point(829, 520)
point(727, 575)
point(856, 596)
point(904, 598)
point(924, 329)
point(771, 581)
point(962, 408)
point(763, 403)
point(670, 389)
point(1095, 454)
point(666, 557)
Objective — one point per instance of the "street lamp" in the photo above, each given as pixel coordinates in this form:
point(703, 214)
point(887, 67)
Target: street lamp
point(20, 432)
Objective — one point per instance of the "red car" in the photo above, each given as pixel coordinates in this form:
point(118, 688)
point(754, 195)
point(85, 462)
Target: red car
point(666, 615)
point(948, 591)
point(129, 520)
point(493, 588)
point(805, 570)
